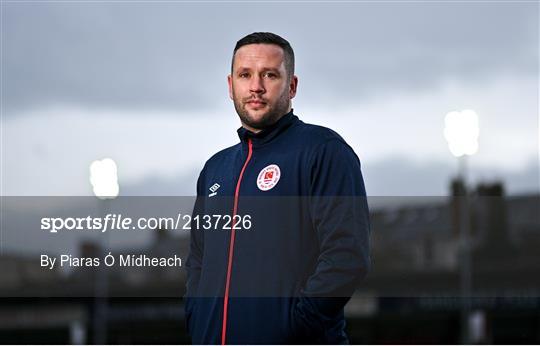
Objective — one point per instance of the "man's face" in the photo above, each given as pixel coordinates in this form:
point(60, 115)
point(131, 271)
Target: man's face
point(259, 85)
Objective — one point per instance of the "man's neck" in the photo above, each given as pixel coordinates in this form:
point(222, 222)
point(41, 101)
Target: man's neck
point(257, 130)
point(249, 128)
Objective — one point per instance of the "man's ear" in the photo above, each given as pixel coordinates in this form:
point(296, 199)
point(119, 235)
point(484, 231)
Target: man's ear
point(229, 82)
point(292, 87)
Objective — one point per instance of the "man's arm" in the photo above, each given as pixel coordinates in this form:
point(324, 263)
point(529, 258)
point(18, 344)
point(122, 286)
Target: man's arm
point(194, 260)
point(340, 215)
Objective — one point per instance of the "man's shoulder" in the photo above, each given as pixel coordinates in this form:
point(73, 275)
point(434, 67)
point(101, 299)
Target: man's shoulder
point(323, 141)
point(315, 135)
point(222, 155)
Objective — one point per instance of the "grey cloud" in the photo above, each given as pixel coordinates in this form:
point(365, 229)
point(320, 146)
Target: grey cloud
point(106, 55)
point(175, 56)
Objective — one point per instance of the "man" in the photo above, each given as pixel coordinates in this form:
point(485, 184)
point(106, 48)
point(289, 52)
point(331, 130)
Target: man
point(287, 278)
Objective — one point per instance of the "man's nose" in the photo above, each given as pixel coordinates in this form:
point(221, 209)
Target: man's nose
point(256, 85)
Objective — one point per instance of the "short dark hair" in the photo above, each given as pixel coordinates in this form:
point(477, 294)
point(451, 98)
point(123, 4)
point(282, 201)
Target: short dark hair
point(269, 38)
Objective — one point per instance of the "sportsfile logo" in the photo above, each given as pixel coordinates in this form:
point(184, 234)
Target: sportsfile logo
point(213, 189)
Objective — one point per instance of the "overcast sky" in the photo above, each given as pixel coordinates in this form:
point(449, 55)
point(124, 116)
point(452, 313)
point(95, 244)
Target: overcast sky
point(145, 84)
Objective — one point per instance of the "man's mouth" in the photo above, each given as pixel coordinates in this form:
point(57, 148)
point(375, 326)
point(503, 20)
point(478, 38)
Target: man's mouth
point(256, 102)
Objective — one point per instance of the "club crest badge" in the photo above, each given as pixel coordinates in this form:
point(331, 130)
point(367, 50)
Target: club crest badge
point(268, 177)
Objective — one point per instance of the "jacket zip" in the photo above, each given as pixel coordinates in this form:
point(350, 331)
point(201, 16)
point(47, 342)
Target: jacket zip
point(231, 247)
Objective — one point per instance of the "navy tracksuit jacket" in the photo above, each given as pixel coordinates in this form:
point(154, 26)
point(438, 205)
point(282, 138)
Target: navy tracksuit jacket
point(288, 277)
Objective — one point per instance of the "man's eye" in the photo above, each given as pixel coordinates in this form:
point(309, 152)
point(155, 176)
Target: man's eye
point(270, 75)
point(244, 75)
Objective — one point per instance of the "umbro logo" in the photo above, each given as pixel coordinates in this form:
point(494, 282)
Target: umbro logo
point(213, 189)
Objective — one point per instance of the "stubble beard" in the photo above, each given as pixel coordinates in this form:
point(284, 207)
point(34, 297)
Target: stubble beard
point(273, 114)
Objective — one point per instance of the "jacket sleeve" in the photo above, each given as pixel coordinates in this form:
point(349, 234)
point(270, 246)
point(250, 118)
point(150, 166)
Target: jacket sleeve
point(194, 260)
point(340, 216)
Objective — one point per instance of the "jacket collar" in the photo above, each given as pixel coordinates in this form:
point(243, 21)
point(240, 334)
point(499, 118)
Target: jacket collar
point(266, 135)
